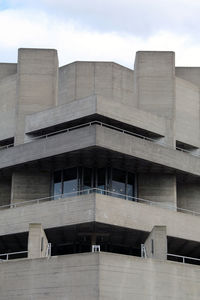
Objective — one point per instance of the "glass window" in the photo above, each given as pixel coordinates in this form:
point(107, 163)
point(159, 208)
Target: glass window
point(101, 179)
point(70, 181)
point(57, 188)
point(130, 185)
point(115, 182)
point(87, 178)
point(118, 182)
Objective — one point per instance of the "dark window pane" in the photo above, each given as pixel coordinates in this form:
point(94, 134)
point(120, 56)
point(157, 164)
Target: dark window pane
point(118, 182)
point(87, 178)
point(57, 188)
point(70, 181)
point(130, 185)
point(101, 179)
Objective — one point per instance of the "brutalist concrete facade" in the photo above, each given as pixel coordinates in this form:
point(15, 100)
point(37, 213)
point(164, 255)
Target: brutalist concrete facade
point(132, 139)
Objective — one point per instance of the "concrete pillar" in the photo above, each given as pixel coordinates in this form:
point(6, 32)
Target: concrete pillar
point(159, 188)
point(37, 81)
point(154, 86)
point(37, 241)
point(156, 243)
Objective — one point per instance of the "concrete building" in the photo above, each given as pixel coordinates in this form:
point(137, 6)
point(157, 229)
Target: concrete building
point(99, 179)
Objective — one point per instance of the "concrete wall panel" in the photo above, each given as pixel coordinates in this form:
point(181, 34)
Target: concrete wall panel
point(123, 277)
point(66, 277)
point(158, 187)
point(5, 190)
point(98, 276)
point(187, 113)
point(7, 69)
point(30, 184)
point(188, 196)
point(7, 105)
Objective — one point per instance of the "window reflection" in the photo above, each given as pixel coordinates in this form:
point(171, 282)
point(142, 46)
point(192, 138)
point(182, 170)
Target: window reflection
point(101, 179)
point(57, 184)
point(130, 185)
point(118, 182)
point(87, 178)
point(70, 181)
point(110, 181)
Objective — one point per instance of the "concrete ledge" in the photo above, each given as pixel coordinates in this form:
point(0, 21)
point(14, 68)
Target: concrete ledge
point(50, 214)
point(96, 104)
point(98, 136)
point(95, 276)
point(102, 209)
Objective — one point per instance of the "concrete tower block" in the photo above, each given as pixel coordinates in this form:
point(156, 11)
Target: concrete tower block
point(37, 81)
point(37, 241)
point(154, 82)
point(156, 243)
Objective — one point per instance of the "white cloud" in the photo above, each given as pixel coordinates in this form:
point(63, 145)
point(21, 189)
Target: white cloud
point(141, 18)
point(24, 28)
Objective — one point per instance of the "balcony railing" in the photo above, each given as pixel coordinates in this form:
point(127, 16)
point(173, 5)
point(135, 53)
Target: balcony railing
point(183, 259)
point(174, 257)
point(158, 140)
point(102, 192)
point(13, 255)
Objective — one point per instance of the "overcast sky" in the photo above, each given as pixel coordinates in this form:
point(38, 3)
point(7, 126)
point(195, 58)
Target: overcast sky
point(110, 30)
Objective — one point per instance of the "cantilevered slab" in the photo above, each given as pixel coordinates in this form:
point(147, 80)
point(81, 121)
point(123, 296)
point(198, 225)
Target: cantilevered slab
point(101, 137)
point(96, 104)
point(102, 209)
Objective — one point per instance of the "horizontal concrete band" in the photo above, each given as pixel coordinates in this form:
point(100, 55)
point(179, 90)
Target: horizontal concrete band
point(98, 136)
point(96, 104)
point(102, 209)
point(95, 276)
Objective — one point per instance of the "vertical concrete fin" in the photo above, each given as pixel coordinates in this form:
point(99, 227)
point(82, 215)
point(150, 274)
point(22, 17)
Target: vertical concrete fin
point(37, 84)
point(154, 78)
point(156, 243)
point(37, 241)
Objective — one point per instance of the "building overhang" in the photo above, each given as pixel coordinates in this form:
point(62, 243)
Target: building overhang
point(98, 208)
point(114, 144)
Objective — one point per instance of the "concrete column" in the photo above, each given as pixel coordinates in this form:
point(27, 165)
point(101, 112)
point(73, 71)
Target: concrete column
point(156, 243)
point(37, 81)
point(154, 86)
point(37, 241)
point(159, 188)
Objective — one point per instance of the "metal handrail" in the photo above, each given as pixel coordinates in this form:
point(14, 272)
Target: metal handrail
point(115, 128)
point(6, 146)
point(99, 191)
point(108, 126)
point(89, 124)
point(183, 257)
point(11, 253)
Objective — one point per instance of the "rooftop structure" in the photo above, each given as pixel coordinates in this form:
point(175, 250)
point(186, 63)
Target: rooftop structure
point(99, 179)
